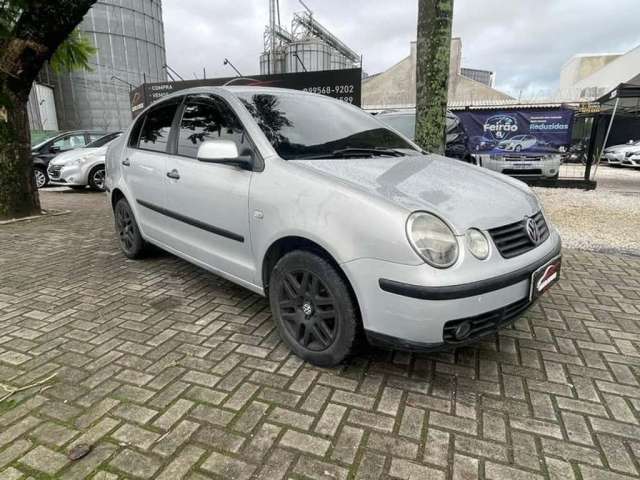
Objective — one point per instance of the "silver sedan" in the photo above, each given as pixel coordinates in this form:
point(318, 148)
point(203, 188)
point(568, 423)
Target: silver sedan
point(346, 226)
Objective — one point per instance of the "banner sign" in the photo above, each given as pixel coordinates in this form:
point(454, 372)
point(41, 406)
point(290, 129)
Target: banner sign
point(527, 131)
point(345, 85)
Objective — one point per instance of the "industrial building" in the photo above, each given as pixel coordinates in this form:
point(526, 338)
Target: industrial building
point(307, 47)
point(129, 37)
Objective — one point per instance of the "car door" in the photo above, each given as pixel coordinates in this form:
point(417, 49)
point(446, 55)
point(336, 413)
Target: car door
point(144, 168)
point(208, 203)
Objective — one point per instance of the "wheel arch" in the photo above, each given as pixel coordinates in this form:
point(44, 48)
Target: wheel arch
point(284, 245)
point(116, 195)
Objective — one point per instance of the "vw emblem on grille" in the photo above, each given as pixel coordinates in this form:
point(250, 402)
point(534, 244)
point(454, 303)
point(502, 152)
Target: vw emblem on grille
point(532, 230)
point(307, 309)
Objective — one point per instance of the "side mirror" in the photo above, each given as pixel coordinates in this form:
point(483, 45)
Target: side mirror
point(54, 149)
point(224, 152)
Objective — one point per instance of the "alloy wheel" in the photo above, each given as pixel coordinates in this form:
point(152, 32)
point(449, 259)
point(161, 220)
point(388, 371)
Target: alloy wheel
point(41, 178)
point(98, 178)
point(308, 310)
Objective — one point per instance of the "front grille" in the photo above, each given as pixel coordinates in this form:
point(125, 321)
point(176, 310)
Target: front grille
point(512, 240)
point(522, 158)
point(54, 170)
point(522, 171)
point(485, 323)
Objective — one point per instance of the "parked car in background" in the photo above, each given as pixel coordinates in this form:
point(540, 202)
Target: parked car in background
point(83, 166)
point(518, 143)
point(457, 139)
point(46, 151)
point(616, 154)
point(540, 165)
point(344, 224)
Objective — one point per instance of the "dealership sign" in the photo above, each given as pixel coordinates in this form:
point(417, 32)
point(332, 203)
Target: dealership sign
point(527, 131)
point(345, 85)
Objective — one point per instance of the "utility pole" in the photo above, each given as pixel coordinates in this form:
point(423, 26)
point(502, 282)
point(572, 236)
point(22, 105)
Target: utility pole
point(432, 73)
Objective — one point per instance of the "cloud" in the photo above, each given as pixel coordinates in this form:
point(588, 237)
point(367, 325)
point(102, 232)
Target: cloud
point(525, 42)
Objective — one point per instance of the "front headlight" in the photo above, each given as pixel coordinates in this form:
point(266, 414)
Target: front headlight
point(432, 239)
point(477, 244)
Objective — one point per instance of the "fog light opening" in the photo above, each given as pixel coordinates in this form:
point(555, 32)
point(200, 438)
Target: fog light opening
point(463, 330)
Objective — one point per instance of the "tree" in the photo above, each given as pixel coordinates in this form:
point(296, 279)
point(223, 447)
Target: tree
point(432, 73)
point(31, 31)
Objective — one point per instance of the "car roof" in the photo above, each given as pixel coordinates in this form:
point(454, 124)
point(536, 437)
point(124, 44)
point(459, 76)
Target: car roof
point(242, 89)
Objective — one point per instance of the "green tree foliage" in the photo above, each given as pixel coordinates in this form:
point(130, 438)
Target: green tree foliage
point(74, 54)
point(31, 31)
point(432, 73)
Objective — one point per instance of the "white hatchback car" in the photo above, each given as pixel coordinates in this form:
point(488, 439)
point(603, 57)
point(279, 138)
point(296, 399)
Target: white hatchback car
point(344, 224)
point(81, 167)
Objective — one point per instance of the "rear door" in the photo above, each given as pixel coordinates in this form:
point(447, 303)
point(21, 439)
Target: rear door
point(145, 166)
point(208, 203)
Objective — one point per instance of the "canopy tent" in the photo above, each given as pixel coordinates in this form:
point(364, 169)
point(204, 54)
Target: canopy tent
point(618, 121)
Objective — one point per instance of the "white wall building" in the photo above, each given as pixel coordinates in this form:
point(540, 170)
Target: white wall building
point(589, 76)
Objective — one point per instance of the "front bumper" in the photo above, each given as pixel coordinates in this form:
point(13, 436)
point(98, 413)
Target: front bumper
point(73, 175)
point(631, 161)
point(523, 168)
point(412, 316)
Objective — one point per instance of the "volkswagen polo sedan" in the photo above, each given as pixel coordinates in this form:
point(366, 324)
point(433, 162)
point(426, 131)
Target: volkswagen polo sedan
point(346, 226)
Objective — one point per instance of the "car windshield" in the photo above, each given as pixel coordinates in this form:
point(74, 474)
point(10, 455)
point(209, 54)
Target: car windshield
point(305, 126)
point(102, 141)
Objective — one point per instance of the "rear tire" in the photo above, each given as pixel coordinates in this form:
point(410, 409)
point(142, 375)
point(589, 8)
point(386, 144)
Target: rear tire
point(131, 242)
point(313, 308)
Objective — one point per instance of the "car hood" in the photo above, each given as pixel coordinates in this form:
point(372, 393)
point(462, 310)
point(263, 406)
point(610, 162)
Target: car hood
point(464, 195)
point(65, 157)
point(622, 148)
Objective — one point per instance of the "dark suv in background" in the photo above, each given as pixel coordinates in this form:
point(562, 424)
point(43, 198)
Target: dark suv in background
point(405, 122)
point(46, 151)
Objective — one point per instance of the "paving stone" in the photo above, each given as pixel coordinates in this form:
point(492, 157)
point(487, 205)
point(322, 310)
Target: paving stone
point(228, 467)
point(44, 460)
point(135, 464)
point(304, 442)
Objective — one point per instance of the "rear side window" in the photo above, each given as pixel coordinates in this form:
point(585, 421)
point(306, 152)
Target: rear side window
point(156, 128)
point(206, 117)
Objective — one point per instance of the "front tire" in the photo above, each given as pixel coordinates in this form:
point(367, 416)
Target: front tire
point(131, 242)
point(313, 308)
point(96, 178)
point(41, 177)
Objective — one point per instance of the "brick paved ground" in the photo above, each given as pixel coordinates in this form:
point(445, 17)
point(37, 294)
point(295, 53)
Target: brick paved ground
point(168, 371)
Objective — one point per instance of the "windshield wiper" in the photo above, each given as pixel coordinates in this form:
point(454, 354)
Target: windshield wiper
point(355, 152)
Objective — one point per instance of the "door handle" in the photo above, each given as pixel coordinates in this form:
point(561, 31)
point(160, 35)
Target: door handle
point(173, 174)
point(126, 162)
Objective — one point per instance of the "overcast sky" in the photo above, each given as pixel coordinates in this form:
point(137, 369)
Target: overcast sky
point(525, 42)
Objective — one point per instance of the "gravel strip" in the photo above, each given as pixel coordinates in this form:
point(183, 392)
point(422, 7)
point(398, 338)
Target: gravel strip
point(600, 220)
